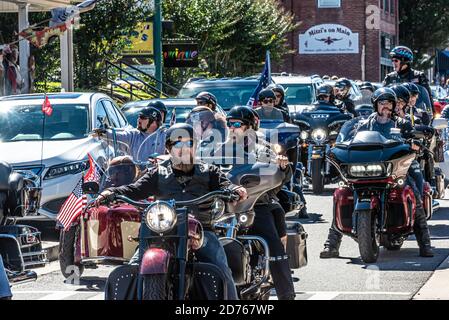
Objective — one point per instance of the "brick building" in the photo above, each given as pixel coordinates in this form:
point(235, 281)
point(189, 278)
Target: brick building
point(349, 38)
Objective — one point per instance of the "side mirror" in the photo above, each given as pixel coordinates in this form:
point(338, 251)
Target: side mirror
point(440, 123)
point(249, 181)
point(91, 187)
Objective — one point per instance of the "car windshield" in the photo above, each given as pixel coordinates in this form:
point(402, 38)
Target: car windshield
point(299, 94)
point(181, 114)
point(26, 122)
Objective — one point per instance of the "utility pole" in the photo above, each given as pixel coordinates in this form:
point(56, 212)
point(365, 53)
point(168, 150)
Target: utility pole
point(157, 35)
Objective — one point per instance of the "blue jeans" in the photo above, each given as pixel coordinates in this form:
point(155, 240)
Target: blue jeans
point(211, 252)
point(416, 179)
point(5, 291)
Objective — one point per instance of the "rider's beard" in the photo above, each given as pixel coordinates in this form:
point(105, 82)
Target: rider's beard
point(184, 162)
point(385, 115)
point(139, 127)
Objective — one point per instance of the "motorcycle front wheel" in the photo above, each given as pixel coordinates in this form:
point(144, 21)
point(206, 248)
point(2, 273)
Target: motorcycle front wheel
point(366, 236)
point(317, 176)
point(66, 256)
point(157, 287)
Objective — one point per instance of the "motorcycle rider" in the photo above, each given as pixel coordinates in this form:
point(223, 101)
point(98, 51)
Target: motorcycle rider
point(324, 94)
point(280, 102)
point(342, 89)
point(266, 106)
point(402, 58)
point(181, 177)
point(242, 136)
point(159, 106)
point(384, 101)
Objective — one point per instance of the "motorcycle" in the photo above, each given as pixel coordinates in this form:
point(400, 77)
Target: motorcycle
point(373, 205)
point(20, 245)
point(319, 126)
point(168, 239)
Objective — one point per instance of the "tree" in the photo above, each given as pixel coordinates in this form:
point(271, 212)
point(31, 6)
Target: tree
point(233, 34)
point(423, 27)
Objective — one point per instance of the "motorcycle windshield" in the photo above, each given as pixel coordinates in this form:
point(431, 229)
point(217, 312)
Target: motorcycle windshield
point(267, 115)
point(423, 101)
point(119, 175)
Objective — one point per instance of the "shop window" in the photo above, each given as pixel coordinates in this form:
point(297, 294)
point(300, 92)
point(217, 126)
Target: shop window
point(329, 3)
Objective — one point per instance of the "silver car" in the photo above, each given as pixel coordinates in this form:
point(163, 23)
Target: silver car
point(60, 158)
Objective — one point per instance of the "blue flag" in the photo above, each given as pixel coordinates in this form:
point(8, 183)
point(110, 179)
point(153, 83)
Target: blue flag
point(264, 81)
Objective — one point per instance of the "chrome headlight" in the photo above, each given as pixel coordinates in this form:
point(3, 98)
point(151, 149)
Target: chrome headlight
point(65, 169)
point(368, 170)
point(160, 217)
point(319, 135)
point(218, 208)
point(304, 135)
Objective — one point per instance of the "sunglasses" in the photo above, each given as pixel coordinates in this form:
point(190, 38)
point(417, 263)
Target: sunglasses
point(142, 117)
point(181, 144)
point(395, 60)
point(269, 100)
point(235, 124)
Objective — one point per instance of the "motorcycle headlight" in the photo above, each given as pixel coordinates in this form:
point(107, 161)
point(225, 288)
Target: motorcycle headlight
point(218, 208)
point(277, 148)
point(369, 170)
point(304, 135)
point(65, 169)
point(319, 135)
point(160, 217)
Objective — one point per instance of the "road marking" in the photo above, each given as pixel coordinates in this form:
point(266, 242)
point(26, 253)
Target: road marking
point(61, 295)
point(99, 296)
point(324, 296)
point(330, 295)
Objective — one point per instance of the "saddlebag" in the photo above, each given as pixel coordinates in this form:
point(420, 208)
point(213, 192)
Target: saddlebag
point(238, 259)
point(122, 283)
point(296, 245)
point(21, 247)
point(208, 282)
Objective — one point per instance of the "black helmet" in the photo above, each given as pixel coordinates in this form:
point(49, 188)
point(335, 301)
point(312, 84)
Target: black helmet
point(207, 98)
point(266, 93)
point(151, 113)
point(324, 90)
point(411, 87)
point(277, 88)
point(244, 114)
point(343, 85)
point(160, 106)
point(402, 53)
point(178, 131)
point(367, 86)
point(383, 94)
point(401, 92)
point(203, 114)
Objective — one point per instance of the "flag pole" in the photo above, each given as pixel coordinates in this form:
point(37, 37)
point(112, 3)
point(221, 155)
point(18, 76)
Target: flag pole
point(42, 144)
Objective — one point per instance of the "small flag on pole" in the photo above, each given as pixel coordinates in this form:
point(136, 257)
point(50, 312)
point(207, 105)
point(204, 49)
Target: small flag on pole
point(46, 107)
point(264, 81)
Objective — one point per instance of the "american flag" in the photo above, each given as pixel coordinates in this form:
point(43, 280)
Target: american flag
point(77, 201)
point(264, 81)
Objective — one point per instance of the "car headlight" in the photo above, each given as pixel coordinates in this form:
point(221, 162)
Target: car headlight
point(65, 169)
point(304, 135)
point(160, 217)
point(369, 170)
point(218, 208)
point(319, 135)
point(277, 148)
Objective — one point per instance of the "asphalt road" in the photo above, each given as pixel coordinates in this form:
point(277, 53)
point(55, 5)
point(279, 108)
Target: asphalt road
point(396, 275)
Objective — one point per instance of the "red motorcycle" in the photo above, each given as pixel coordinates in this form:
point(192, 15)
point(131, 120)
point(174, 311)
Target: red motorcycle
point(373, 205)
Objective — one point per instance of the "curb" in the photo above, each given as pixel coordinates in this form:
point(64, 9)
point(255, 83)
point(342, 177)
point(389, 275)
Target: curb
point(437, 287)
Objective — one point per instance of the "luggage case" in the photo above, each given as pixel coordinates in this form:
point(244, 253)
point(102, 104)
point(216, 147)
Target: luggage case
point(296, 245)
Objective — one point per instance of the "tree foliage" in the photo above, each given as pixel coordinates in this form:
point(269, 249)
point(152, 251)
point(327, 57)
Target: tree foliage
point(423, 27)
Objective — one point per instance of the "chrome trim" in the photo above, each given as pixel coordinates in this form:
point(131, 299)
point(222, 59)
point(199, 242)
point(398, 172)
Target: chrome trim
point(100, 260)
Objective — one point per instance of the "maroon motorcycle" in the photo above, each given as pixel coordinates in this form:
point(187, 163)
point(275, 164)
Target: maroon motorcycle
point(373, 204)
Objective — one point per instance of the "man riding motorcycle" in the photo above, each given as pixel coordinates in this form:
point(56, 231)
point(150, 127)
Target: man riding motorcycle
point(148, 138)
point(384, 101)
point(266, 106)
point(325, 94)
point(402, 58)
point(280, 102)
point(342, 93)
point(181, 178)
point(416, 113)
point(269, 222)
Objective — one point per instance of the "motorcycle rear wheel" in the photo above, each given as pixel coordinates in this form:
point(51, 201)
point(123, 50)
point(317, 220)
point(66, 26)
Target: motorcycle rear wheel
point(366, 236)
point(157, 287)
point(317, 176)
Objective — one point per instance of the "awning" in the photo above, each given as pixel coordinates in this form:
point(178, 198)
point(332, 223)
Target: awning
point(35, 5)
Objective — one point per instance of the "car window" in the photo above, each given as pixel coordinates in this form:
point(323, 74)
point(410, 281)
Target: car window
point(101, 115)
point(299, 93)
point(111, 113)
point(120, 116)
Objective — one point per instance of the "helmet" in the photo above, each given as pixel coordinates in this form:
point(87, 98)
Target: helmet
point(244, 114)
point(178, 131)
point(151, 113)
point(364, 110)
point(402, 53)
point(279, 89)
point(203, 114)
point(266, 93)
point(207, 98)
point(160, 106)
point(383, 94)
point(324, 90)
point(411, 87)
point(401, 92)
point(367, 86)
point(257, 119)
point(343, 85)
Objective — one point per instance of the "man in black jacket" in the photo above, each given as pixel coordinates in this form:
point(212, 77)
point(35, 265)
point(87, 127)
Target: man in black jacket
point(181, 178)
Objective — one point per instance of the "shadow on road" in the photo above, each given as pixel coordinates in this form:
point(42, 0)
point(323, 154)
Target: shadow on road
point(92, 284)
point(313, 218)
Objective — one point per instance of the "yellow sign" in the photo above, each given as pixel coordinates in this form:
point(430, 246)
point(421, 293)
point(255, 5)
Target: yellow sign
point(140, 41)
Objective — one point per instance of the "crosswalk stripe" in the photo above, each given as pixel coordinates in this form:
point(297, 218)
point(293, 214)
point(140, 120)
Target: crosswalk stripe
point(324, 296)
point(99, 296)
point(61, 295)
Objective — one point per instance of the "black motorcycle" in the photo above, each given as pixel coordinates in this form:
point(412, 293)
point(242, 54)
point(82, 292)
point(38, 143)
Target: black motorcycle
point(319, 126)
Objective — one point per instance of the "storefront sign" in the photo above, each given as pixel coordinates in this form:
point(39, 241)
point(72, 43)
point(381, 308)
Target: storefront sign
point(179, 55)
point(140, 41)
point(328, 39)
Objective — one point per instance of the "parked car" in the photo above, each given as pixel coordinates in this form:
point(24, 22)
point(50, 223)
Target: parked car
point(440, 98)
point(230, 92)
point(55, 150)
point(182, 106)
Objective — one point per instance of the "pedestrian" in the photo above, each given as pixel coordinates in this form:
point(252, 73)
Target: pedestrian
point(13, 81)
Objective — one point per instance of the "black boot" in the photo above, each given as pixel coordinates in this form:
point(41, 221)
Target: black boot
point(422, 234)
point(332, 245)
